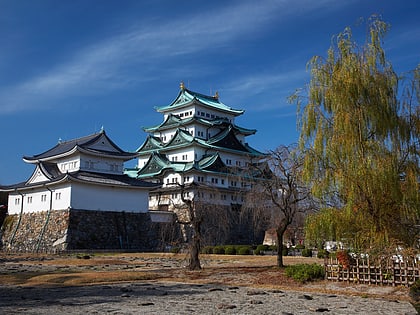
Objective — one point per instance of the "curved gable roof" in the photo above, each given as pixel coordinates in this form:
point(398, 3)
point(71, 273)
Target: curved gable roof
point(187, 97)
point(151, 143)
point(97, 144)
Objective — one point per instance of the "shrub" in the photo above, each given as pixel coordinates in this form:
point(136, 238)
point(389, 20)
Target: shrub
point(261, 249)
point(300, 246)
point(305, 272)
point(207, 250)
point(219, 250)
point(415, 291)
point(307, 252)
point(244, 250)
point(230, 250)
point(273, 248)
point(323, 253)
point(285, 251)
point(175, 250)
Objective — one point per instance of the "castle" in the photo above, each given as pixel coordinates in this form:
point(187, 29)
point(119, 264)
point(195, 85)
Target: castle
point(197, 151)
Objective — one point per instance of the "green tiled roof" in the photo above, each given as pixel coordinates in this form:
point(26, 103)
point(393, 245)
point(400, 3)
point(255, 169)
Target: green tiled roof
point(225, 140)
point(174, 121)
point(186, 97)
point(158, 163)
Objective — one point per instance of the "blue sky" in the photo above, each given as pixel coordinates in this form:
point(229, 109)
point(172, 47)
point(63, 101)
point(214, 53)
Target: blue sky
point(67, 68)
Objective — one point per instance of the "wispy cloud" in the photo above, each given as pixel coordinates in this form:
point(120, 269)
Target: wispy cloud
point(106, 64)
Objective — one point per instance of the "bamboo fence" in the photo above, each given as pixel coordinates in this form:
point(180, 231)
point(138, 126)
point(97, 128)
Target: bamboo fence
point(395, 272)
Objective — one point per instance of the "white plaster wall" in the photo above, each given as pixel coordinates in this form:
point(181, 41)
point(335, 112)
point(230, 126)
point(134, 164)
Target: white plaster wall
point(38, 200)
point(92, 197)
point(105, 165)
point(70, 164)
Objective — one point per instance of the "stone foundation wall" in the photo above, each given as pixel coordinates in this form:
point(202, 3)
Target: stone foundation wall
point(61, 230)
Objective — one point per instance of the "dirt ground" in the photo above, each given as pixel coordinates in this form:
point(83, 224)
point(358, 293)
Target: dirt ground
point(251, 271)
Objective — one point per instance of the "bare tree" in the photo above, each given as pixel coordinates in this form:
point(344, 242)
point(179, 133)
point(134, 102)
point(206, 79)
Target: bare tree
point(202, 220)
point(278, 195)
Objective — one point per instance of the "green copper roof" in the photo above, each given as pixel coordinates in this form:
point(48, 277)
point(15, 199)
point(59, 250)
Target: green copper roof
point(186, 97)
point(174, 121)
point(225, 140)
point(159, 163)
point(151, 144)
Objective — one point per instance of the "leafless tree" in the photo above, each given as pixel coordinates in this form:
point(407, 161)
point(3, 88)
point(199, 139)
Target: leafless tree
point(277, 194)
point(201, 219)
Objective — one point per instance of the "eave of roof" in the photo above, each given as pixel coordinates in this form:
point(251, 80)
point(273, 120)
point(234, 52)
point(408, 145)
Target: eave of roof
point(187, 97)
point(66, 148)
point(93, 178)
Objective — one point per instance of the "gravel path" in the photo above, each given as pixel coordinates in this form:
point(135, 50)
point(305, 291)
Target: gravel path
point(178, 298)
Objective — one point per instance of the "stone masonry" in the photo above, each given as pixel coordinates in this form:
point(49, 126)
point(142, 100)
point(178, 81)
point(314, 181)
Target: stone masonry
point(72, 229)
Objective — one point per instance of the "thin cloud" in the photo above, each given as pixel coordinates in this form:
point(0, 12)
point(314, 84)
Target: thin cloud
point(105, 65)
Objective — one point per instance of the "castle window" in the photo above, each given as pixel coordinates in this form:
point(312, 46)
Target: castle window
point(17, 201)
point(30, 199)
point(58, 196)
point(43, 198)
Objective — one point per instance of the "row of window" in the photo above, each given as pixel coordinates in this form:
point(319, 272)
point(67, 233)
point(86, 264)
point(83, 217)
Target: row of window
point(68, 166)
point(213, 196)
point(43, 198)
point(213, 180)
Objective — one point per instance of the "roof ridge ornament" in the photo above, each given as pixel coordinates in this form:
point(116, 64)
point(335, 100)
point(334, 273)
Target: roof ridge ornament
point(216, 95)
point(182, 86)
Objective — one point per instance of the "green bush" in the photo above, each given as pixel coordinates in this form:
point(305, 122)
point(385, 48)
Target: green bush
point(219, 250)
point(285, 251)
point(175, 250)
point(230, 250)
point(307, 252)
point(273, 248)
point(305, 272)
point(323, 253)
point(244, 250)
point(207, 250)
point(415, 291)
point(300, 246)
point(261, 249)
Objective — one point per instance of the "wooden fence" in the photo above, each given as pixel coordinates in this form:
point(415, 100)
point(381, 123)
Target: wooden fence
point(390, 272)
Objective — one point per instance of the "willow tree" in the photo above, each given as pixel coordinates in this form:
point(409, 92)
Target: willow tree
point(360, 128)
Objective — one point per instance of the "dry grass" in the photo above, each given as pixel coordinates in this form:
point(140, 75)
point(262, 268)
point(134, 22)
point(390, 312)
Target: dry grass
point(231, 270)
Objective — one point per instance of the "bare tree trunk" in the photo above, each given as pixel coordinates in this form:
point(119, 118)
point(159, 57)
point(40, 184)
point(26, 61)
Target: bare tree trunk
point(194, 263)
point(280, 233)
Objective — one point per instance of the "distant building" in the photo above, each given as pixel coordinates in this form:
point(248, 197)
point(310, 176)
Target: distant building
point(197, 150)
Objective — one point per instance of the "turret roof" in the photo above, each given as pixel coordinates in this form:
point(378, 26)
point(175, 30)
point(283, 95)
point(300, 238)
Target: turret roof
point(173, 121)
point(158, 163)
point(187, 97)
point(224, 140)
point(90, 144)
point(81, 176)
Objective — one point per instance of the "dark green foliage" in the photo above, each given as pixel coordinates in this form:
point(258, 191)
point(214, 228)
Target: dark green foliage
point(323, 253)
point(305, 272)
point(261, 249)
point(207, 250)
point(244, 250)
point(175, 250)
point(285, 251)
point(415, 291)
point(230, 250)
point(307, 252)
point(300, 246)
point(218, 250)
